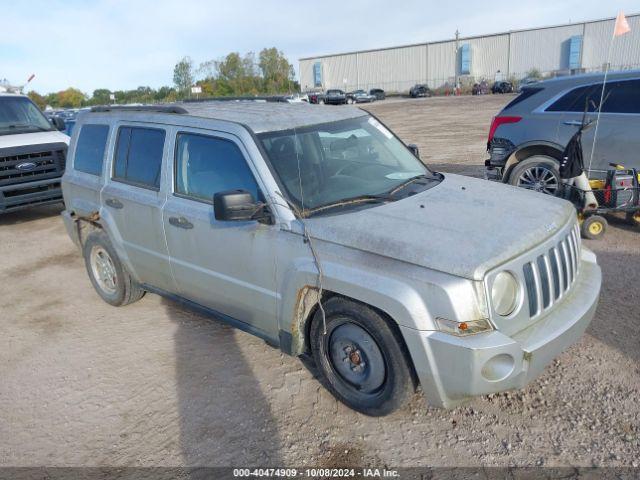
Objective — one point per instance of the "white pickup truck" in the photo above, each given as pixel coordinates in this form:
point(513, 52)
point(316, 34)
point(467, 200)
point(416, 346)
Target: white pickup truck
point(32, 155)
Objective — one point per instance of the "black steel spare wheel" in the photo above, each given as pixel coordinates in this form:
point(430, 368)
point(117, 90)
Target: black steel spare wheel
point(356, 357)
point(362, 359)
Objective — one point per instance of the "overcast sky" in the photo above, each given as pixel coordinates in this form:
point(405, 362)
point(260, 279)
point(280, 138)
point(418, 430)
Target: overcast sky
point(124, 44)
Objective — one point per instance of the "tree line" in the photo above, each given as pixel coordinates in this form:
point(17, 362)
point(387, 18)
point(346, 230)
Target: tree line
point(268, 73)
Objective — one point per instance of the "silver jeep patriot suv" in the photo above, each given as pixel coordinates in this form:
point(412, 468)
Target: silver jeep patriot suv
point(318, 230)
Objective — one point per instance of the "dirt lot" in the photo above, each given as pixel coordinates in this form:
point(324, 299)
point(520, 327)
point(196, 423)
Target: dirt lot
point(83, 383)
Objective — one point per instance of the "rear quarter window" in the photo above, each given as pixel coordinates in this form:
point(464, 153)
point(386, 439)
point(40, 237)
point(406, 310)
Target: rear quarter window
point(526, 93)
point(89, 156)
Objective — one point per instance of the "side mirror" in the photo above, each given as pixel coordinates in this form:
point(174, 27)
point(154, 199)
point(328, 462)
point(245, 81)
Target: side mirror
point(58, 123)
point(414, 149)
point(238, 206)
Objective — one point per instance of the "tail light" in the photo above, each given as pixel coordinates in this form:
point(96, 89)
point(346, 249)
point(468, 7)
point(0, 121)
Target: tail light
point(497, 121)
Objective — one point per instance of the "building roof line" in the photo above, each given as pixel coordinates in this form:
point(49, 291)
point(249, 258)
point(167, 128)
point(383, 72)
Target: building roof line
point(472, 37)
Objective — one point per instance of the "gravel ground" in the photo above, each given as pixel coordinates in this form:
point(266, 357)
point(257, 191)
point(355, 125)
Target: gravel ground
point(152, 384)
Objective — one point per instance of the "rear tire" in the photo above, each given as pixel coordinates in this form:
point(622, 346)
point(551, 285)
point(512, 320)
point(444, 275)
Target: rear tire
point(362, 360)
point(538, 173)
point(107, 274)
point(593, 227)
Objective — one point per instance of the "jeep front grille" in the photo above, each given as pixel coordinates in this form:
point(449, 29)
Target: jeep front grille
point(550, 276)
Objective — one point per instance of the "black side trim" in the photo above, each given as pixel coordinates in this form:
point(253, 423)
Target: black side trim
point(211, 313)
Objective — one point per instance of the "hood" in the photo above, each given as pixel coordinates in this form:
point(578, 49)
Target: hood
point(35, 138)
point(463, 226)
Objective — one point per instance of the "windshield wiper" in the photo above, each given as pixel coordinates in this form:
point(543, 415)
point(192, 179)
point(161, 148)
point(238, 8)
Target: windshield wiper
point(409, 181)
point(27, 126)
point(382, 198)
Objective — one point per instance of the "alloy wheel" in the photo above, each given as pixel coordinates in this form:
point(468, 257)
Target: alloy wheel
point(539, 178)
point(104, 270)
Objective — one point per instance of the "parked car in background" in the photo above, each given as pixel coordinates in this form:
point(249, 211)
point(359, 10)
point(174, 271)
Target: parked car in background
point(480, 88)
point(315, 97)
point(296, 98)
point(420, 90)
point(502, 86)
point(378, 93)
point(319, 231)
point(335, 97)
point(360, 96)
point(32, 154)
point(527, 138)
point(525, 82)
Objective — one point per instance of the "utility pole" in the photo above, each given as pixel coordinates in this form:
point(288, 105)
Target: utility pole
point(456, 63)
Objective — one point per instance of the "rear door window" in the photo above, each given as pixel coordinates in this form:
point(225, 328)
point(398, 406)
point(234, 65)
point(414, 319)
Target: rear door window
point(89, 156)
point(138, 156)
point(622, 97)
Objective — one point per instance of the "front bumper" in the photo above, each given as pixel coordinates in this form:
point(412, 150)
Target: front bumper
point(29, 194)
point(452, 369)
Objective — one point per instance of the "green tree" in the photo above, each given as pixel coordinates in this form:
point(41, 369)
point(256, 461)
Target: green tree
point(38, 99)
point(100, 96)
point(183, 74)
point(277, 72)
point(165, 94)
point(70, 98)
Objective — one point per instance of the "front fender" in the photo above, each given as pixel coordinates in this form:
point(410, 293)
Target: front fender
point(409, 295)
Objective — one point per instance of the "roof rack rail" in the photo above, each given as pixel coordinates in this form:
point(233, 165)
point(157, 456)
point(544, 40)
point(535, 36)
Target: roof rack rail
point(264, 98)
point(140, 108)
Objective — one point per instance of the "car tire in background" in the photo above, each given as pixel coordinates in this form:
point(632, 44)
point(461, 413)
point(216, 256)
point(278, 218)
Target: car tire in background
point(538, 173)
point(107, 274)
point(361, 358)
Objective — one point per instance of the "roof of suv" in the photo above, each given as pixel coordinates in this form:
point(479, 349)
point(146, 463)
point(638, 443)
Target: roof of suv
point(589, 77)
point(258, 116)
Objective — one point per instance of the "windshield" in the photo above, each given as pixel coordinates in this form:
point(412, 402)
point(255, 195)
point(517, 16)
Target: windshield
point(20, 115)
point(332, 162)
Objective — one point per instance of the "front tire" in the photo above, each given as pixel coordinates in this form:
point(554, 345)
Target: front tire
point(107, 274)
point(538, 173)
point(362, 360)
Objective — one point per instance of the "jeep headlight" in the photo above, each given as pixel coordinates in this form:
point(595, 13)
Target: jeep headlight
point(504, 294)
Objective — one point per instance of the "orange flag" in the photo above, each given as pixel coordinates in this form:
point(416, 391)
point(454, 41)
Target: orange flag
point(622, 26)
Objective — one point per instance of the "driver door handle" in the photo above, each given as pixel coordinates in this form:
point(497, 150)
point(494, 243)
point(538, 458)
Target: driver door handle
point(181, 222)
point(574, 123)
point(114, 203)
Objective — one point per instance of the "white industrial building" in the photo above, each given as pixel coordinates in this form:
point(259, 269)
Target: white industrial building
point(555, 50)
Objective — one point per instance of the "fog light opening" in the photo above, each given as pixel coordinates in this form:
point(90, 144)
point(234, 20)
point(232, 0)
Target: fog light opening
point(498, 368)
